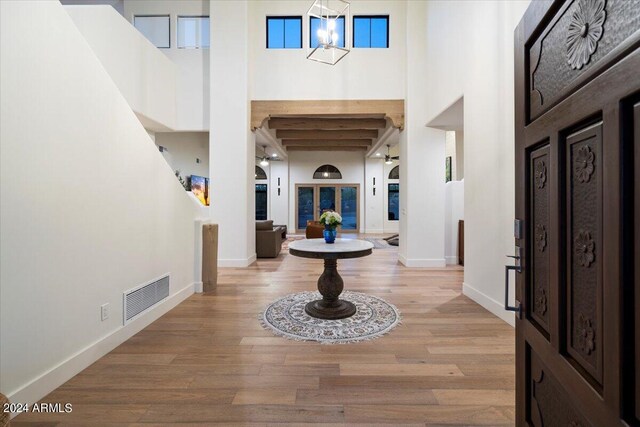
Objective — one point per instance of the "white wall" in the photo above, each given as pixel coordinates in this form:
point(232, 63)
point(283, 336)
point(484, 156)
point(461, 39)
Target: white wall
point(454, 212)
point(145, 77)
point(422, 153)
point(231, 143)
point(88, 209)
point(469, 51)
point(192, 84)
point(374, 204)
point(183, 151)
point(362, 74)
point(279, 204)
point(303, 164)
point(388, 226)
point(459, 161)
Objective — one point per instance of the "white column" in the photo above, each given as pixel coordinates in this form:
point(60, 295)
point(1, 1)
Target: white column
point(422, 155)
point(374, 204)
point(279, 202)
point(231, 143)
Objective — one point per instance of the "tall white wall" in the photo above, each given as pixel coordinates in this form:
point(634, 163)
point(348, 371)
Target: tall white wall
point(362, 74)
point(192, 76)
point(454, 212)
point(422, 154)
point(184, 149)
point(459, 161)
point(469, 51)
point(89, 208)
point(146, 78)
point(232, 144)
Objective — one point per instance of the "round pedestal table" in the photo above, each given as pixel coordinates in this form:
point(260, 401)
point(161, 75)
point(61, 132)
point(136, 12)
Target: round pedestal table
point(330, 284)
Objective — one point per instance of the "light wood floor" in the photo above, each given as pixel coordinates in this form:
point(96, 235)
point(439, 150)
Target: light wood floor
point(209, 361)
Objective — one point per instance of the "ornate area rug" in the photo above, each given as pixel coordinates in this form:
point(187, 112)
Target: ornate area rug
point(374, 318)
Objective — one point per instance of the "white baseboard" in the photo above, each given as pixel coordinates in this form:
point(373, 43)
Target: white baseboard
point(421, 262)
point(242, 262)
point(489, 303)
point(451, 260)
point(64, 371)
point(198, 287)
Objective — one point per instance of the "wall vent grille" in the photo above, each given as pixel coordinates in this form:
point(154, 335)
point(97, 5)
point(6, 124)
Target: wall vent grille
point(142, 298)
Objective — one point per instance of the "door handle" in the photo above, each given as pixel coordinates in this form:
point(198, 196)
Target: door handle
point(518, 269)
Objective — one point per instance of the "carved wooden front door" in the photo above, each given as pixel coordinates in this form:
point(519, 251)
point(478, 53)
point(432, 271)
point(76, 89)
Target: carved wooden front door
point(577, 76)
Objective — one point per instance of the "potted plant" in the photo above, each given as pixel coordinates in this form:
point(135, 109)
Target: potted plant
point(331, 221)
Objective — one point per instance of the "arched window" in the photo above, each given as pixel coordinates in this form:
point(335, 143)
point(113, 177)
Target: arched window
point(327, 172)
point(395, 173)
point(260, 173)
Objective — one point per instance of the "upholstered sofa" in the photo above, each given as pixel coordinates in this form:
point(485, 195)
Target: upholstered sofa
point(269, 238)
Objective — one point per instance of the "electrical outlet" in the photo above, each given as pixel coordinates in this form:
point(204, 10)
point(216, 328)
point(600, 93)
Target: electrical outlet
point(104, 311)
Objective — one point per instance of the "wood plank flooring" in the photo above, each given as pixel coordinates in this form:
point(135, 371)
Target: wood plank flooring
point(209, 361)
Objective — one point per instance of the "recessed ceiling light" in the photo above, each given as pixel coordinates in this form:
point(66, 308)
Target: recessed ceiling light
point(378, 154)
point(274, 155)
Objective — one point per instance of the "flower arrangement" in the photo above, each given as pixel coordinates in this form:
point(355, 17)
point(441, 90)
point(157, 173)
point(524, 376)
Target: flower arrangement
point(330, 219)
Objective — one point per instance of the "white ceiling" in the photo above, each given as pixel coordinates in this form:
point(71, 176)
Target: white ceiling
point(452, 118)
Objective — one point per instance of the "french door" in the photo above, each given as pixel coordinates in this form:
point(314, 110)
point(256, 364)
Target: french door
point(577, 86)
point(313, 199)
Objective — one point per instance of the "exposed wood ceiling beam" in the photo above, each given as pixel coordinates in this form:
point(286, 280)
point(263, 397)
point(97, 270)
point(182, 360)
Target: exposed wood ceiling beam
point(327, 134)
point(326, 143)
point(393, 109)
point(325, 124)
point(327, 148)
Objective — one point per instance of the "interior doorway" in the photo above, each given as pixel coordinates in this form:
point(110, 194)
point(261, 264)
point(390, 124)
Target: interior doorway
point(313, 199)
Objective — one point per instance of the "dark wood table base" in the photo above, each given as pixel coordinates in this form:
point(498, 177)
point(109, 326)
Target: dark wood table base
point(330, 285)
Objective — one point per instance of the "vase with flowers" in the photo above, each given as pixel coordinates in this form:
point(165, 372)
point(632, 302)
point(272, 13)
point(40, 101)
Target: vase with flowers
point(331, 221)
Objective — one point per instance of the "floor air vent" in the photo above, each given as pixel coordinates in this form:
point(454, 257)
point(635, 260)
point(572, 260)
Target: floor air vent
point(142, 298)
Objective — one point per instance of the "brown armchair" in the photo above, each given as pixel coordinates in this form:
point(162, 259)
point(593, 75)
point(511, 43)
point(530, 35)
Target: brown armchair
point(269, 239)
point(314, 230)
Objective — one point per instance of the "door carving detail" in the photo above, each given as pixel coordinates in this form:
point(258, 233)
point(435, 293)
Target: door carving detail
point(586, 335)
point(541, 302)
point(540, 218)
point(573, 42)
point(585, 30)
point(583, 164)
point(541, 237)
point(541, 174)
point(585, 248)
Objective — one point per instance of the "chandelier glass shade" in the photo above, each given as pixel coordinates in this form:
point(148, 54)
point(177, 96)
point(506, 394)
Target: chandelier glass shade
point(327, 44)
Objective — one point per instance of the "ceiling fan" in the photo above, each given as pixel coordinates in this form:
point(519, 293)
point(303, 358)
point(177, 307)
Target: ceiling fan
point(388, 158)
point(264, 159)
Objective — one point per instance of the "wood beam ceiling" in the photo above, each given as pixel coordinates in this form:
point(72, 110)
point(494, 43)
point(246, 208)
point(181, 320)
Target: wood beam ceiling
point(327, 134)
point(326, 143)
point(391, 109)
point(325, 123)
point(340, 125)
point(327, 148)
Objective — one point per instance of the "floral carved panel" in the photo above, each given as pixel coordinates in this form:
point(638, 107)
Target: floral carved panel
point(539, 285)
point(584, 223)
point(576, 40)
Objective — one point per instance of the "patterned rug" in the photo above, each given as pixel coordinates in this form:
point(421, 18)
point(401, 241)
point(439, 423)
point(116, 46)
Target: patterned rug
point(374, 318)
point(285, 244)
